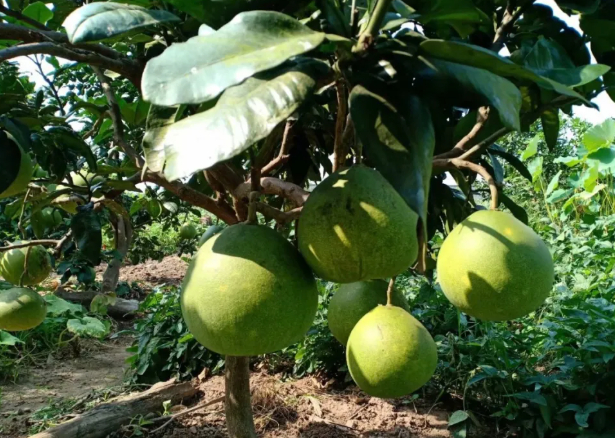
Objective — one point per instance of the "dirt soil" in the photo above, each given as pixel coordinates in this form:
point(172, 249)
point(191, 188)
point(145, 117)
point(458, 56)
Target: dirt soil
point(307, 409)
point(60, 379)
point(169, 270)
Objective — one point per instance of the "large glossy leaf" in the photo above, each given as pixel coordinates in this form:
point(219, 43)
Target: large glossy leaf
point(499, 92)
point(66, 138)
point(87, 326)
point(243, 115)
point(87, 234)
point(512, 160)
point(204, 66)
point(399, 141)
point(600, 136)
point(100, 20)
point(39, 12)
point(10, 157)
point(577, 76)
point(482, 58)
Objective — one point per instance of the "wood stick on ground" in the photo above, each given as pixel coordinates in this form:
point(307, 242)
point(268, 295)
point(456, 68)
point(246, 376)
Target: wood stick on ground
point(111, 416)
point(121, 309)
point(187, 411)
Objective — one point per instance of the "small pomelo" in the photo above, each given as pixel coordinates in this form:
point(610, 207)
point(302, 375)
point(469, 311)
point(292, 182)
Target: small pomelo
point(13, 178)
point(352, 301)
point(248, 292)
point(21, 309)
point(355, 226)
point(12, 265)
point(187, 232)
point(390, 353)
point(209, 233)
point(154, 208)
point(494, 267)
point(51, 217)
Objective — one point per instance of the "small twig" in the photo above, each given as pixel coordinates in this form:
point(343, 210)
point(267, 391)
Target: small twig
point(508, 20)
point(283, 156)
point(52, 86)
point(25, 266)
point(390, 291)
point(463, 144)
point(459, 163)
point(23, 209)
point(281, 217)
point(58, 248)
point(96, 125)
point(339, 151)
point(187, 411)
point(44, 242)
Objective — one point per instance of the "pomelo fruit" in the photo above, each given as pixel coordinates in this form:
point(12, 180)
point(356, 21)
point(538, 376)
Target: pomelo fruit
point(209, 233)
point(12, 265)
point(390, 353)
point(14, 178)
point(494, 267)
point(187, 232)
point(38, 223)
point(355, 226)
point(51, 217)
point(352, 301)
point(154, 208)
point(248, 292)
point(21, 309)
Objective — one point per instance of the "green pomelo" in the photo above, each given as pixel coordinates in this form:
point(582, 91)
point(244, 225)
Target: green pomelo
point(390, 353)
point(248, 292)
point(83, 179)
point(12, 265)
point(354, 300)
point(209, 233)
point(355, 226)
point(51, 217)
point(21, 309)
point(187, 232)
point(13, 178)
point(38, 223)
point(154, 208)
point(494, 267)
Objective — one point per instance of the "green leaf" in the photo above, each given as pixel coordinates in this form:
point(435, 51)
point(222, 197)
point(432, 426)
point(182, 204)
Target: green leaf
point(589, 177)
point(332, 10)
point(57, 306)
point(516, 210)
point(577, 76)
point(87, 326)
point(603, 159)
point(67, 138)
point(531, 149)
point(8, 339)
point(10, 157)
point(243, 115)
point(170, 206)
point(546, 55)
point(550, 127)
point(533, 397)
point(87, 234)
point(38, 11)
point(535, 168)
point(584, 6)
point(483, 58)
point(457, 417)
point(568, 161)
point(398, 140)
point(499, 92)
point(204, 66)
point(100, 20)
point(599, 136)
point(553, 184)
point(513, 161)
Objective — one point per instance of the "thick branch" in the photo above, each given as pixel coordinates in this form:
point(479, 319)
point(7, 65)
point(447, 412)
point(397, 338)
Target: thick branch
point(474, 150)
point(458, 163)
point(464, 144)
point(274, 186)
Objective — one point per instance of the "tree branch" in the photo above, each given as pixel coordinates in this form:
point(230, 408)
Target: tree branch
point(274, 186)
point(508, 20)
point(339, 151)
point(21, 17)
point(281, 217)
point(283, 156)
point(44, 242)
point(460, 164)
point(464, 144)
point(52, 86)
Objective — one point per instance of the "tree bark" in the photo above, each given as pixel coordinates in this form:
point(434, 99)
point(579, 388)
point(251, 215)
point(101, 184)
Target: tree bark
point(123, 237)
point(121, 309)
point(238, 407)
point(109, 417)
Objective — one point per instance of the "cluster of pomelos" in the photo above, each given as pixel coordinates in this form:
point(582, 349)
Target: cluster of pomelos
point(248, 291)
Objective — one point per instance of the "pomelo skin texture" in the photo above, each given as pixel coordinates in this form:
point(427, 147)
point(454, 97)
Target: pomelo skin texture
point(390, 353)
point(248, 292)
point(12, 265)
point(494, 267)
point(23, 177)
point(187, 232)
point(209, 233)
point(21, 309)
point(353, 300)
point(355, 226)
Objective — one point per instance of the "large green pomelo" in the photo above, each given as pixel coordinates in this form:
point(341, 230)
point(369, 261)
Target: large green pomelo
point(352, 301)
point(248, 292)
point(355, 226)
point(187, 232)
point(21, 309)
point(494, 267)
point(390, 353)
point(209, 233)
point(12, 265)
point(19, 175)
point(51, 217)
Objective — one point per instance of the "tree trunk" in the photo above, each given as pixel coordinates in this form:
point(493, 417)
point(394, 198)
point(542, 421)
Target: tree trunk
point(239, 421)
point(123, 236)
point(109, 417)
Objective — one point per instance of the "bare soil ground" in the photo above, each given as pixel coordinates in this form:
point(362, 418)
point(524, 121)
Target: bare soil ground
point(169, 270)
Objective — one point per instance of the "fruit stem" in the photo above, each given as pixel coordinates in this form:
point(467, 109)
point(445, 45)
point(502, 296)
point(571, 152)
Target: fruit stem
point(252, 219)
point(390, 291)
point(237, 405)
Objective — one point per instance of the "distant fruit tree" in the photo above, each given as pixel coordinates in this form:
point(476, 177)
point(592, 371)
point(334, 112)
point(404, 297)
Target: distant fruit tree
point(320, 131)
